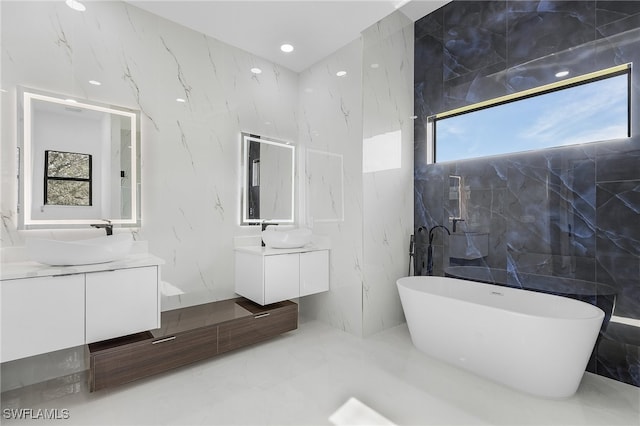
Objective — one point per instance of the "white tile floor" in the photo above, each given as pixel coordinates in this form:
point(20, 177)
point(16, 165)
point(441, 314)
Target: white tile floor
point(301, 378)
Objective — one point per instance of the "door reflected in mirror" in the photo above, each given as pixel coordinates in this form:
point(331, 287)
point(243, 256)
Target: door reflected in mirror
point(79, 162)
point(268, 183)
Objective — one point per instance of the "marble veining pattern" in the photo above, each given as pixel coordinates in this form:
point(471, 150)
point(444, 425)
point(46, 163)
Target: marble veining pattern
point(387, 109)
point(190, 152)
point(564, 212)
point(324, 186)
point(31, 269)
point(331, 122)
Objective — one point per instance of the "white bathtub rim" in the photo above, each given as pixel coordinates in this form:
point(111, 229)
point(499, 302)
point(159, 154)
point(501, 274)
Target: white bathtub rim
point(560, 380)
point(597, 313)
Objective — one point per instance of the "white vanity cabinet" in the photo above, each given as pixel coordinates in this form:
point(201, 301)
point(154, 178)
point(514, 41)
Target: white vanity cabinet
point(280, 277)
point(121, 302)
point(314, 272)
point(48, 308)
point(268, 276)
point(42, 314)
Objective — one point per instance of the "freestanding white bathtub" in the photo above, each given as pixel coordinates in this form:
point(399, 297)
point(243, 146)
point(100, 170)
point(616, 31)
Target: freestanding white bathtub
point(534, 342)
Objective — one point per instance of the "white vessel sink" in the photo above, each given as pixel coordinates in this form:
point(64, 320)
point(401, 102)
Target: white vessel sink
point(283, 237)
point(469, 245)
point(79, 252)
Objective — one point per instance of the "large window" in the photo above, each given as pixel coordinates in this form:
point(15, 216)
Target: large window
point(67, 179)
point(588, 108)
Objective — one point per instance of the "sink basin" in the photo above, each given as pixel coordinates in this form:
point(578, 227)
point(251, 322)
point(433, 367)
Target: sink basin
point(469, 245)
point(79, 252)
point(282, 237)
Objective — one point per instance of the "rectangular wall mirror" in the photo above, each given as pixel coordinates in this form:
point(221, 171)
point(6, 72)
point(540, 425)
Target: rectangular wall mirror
point(268, 180)
point(79, 162)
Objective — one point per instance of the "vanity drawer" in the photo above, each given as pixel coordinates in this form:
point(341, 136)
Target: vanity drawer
point(146, 356)
point(266, 322)
point(187, 335)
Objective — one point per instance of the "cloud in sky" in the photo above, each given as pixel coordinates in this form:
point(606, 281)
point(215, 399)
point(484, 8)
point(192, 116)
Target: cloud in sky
point(586, 113)
point(580, 110)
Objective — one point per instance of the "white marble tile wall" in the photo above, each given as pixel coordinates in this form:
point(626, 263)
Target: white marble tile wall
point(387, 193)
point(324, 196)
point(331, 122)
point(190, 150)
point(370, 247)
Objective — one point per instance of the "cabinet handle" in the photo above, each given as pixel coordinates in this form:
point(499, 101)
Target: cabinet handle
point(266, 314)
point(167, 339)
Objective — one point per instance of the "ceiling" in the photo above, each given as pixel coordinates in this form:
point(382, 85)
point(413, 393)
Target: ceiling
point(315, 28)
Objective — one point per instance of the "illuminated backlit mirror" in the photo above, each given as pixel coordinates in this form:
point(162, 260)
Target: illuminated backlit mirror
point(268, 180)
point(79, 162)
point(589, 108)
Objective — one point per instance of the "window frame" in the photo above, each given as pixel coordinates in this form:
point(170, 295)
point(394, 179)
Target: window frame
point(526, 94)
point(48, 178)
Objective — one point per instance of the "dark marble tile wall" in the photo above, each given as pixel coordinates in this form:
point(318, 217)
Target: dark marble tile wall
point(569, 212)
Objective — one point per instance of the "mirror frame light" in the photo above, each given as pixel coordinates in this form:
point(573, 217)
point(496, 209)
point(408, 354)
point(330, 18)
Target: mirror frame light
point(25, 171)
point(246, 139)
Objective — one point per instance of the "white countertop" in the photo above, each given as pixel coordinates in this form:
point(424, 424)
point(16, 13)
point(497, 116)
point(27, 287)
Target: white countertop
point(30, 269)
point(268, 251)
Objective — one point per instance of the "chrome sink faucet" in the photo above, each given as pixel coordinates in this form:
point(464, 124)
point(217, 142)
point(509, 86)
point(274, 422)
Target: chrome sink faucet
point(264, 226)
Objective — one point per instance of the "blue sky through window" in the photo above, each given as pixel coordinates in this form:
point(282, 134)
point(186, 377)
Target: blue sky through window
point(589, 112)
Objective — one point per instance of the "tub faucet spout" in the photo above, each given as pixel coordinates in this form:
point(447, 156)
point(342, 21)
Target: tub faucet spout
point(430, 248)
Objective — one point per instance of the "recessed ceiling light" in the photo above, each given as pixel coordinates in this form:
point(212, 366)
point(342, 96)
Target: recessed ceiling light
point(180, 100)
point(76, 5)
point(95, 82)
point(374, 66)
point(560, 74)
point(341, 73)
point(256, 70)
point(286, 48)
